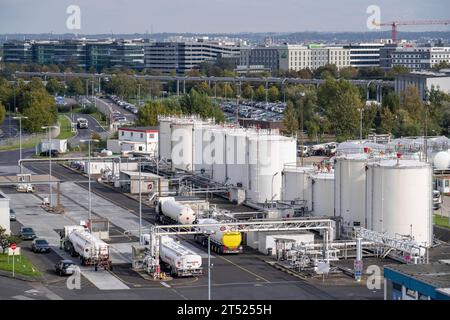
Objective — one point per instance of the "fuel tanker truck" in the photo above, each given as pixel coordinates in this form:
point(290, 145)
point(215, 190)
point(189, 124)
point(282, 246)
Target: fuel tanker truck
point(223, 240)
point(180, 261)
point(170, 211)
point(79, 242)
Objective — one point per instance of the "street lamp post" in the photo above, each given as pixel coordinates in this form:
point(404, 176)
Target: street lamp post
point(50, 162)
point(209, 233)
point(271, 192)
point(140, 202)
point(361, 124)
point(89, 178)
point(20, 136)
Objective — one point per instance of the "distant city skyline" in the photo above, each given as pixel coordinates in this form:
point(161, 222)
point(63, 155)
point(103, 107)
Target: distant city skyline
point(213, 16)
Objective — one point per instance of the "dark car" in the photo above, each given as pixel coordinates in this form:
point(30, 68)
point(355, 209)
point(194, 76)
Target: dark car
point(40, 246)
point(47, 153)
point(27, 233)
point(65, 267)
point(12, 215)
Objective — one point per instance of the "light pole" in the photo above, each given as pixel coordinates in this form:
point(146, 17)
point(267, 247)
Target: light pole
point(20, 136)
point(209, 233)
point(361, 124)
point(89, 177)
point(140, 201)
point(427, 105)
point(50, 162)
point(271, 192)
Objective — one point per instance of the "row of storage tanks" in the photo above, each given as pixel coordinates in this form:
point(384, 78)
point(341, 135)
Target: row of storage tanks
point(392, 196)
point(250, 158)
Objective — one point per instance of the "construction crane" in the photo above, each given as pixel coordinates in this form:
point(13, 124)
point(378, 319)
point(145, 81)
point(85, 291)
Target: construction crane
point(395, 24)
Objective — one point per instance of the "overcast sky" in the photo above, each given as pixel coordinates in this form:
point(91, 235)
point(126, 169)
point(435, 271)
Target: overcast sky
point(207, 16)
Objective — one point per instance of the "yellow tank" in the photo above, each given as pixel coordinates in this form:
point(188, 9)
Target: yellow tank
point(231, 239)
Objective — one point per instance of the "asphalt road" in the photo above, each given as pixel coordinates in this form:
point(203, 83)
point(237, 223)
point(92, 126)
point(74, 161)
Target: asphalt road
point(93, 127)
point(115, 107)
point(233, 276)
point(10, 158)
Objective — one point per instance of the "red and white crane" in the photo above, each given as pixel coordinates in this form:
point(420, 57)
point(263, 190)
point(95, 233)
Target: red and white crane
point(395, 24)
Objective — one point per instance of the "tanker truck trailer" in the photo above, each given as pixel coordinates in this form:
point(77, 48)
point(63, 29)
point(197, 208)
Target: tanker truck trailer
point(79, 242)
point(170, 211)
point(180, 261)
point(223, 240)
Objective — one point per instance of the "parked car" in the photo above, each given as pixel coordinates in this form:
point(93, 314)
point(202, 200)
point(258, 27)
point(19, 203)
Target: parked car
point(27, 233)
point(12, 215)
point(65, 267)
point(40, 246)
point(437, 199)
point(47, 153)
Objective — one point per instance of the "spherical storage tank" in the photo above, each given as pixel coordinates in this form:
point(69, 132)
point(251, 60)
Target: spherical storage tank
point(350, 189)
point(323, 194)
point(399, 199)
point(182, 147)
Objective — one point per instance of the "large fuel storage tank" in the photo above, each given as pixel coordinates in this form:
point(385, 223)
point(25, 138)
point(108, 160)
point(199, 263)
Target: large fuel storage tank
point(236, 157)
point(297, 184)
point(350, 189)
point(399, 199)
point(182, 148)
point(165, 137)
point(323, 194)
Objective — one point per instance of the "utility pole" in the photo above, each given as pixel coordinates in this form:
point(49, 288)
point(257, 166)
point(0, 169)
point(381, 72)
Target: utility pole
point(20, 136)
point(50, 162)
point(89, 177)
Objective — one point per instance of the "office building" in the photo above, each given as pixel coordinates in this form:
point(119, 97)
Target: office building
point(417, 58)
point(180, 57)
point(17, 52)
point(364, 55)
point(423, 81)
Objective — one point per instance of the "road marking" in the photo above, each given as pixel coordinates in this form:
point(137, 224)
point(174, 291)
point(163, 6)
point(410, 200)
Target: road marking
point(20, 297)
point(165, 284)
point(244, 269)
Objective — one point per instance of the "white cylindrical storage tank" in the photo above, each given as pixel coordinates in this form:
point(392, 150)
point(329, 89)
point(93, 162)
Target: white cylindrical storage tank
point(216, 150)
point(399, 199)
point(323, 194)
point(182, 147)
point(297, 184)
point(350, 189)
point(235, 158)
point(165, 136)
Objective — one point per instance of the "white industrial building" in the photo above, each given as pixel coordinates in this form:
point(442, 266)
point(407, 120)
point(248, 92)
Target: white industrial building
point(135, 139)
point(150, 183)
point(264, 241)
point(4, 213)
point(424, 81)
point(53, 144)
point(248, 158)
point(114, 165)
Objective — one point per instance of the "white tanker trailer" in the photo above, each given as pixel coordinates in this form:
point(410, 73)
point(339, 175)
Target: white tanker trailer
point(80, 242)
point(223, 240)
point(180, 261)
point(170, 211)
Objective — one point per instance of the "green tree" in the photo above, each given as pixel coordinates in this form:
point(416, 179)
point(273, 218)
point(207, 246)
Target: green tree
point(247, 91)
point(273, 94)
point(2, 113)
point(6, 240)
point(39, 115)
point(328, 70)
point(54, 87)
point(203, 87)
point(387, 120)
point(348, 73)
point(260, 93)
point(290, 121)
point(75, 87)
point(148, 114)
point(341, 101)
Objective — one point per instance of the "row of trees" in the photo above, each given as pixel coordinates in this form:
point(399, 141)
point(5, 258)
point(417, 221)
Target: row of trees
point(30, 99)
point(191, 103)
point(337, 106)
